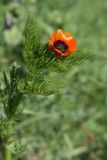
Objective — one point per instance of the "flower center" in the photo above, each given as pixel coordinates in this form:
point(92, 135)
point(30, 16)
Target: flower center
point(60, 45)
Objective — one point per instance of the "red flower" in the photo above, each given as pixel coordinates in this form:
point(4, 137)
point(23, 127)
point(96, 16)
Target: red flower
point(62, 43)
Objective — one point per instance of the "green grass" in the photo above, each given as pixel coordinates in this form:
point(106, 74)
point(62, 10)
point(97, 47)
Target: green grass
point(70, 125)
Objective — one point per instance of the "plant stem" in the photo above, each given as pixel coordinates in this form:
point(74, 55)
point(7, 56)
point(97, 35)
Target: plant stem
point(7, 149)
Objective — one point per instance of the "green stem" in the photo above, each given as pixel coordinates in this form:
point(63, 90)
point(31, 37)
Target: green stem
point(7, 149)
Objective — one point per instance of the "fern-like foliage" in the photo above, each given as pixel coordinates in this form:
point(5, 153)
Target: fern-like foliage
point(10, 95)
point(44, 68)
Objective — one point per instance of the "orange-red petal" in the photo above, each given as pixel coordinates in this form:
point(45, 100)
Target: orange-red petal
point(52, 38)
point(67, 37)
point(72, 43)
point(59, 35)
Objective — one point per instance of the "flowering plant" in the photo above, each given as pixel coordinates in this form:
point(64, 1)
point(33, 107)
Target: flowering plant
point(45, 66)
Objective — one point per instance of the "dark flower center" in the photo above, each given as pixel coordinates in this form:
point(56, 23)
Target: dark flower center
point(60, 45)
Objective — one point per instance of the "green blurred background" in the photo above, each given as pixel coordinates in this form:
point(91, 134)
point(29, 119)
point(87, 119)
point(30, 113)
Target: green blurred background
point(71, 125)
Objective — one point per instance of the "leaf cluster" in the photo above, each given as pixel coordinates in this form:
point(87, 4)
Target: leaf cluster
point(46, 71)
point(10, 95)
